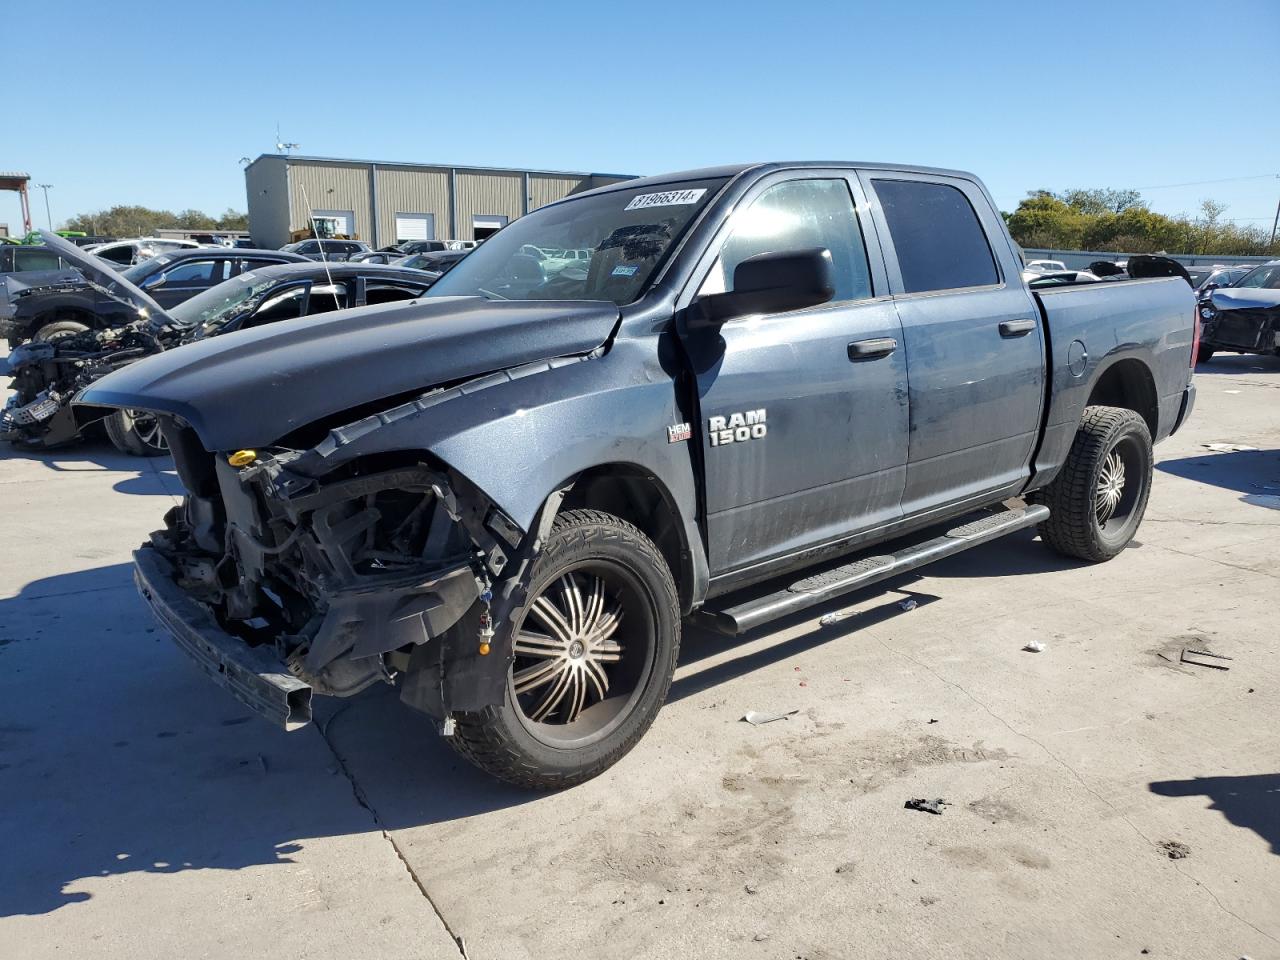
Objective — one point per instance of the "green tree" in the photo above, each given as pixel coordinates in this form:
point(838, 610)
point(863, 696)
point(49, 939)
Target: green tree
point(136, 221)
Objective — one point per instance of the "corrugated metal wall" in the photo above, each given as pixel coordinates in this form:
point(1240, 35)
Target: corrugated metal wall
point(544, 189)
point(267, 196)
point(412, 190)
point(487, 193)
point(331, 186)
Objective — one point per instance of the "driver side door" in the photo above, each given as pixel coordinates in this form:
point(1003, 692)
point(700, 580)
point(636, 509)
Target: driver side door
point(803, 413)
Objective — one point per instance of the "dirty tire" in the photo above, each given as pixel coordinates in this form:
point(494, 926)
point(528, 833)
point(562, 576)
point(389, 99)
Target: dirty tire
point(59, 329)
point(130, 435)
point(1074, 527)
point(1205, 354)
point(503, 741)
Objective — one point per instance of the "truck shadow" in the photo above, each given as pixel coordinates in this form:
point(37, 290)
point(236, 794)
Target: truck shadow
point(1253, 473)
point(117, 756)
point(1251, 802)
point(144, 476)
point(1237, 364)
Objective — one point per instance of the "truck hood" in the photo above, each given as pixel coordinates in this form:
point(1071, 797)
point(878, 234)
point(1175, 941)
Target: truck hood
point(252, 387)
point(1245, 298)
point(103, 279)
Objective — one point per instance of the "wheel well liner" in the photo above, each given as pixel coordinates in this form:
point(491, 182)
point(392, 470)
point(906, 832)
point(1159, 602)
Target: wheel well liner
point(634, 494)
point(1128, 383)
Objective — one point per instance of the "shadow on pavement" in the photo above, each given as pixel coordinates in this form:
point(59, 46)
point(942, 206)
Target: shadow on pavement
point(1251, 802)
point(118, 756)
point(1237, 364)
point(144, 476)
point(1253, 473)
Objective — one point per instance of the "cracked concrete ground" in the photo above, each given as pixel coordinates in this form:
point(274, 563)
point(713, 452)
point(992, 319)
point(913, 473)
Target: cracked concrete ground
point(145, 814)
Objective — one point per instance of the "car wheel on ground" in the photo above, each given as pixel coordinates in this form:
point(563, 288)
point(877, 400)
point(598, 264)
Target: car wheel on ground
point(1097, 500)
point(136, 432)
point(594, 652)
point(58, 330)
point(1205, 354)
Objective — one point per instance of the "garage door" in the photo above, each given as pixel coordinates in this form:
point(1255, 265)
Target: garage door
point(415, 226)
point(346, 220)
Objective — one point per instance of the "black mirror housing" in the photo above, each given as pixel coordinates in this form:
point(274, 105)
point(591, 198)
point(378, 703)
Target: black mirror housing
point(770, 283)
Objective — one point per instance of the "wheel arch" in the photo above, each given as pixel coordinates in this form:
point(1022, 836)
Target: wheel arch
point(1127, 382)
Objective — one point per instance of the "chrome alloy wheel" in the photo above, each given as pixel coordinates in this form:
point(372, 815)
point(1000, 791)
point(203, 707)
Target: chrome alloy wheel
point(1110, 487)
point(567, 648)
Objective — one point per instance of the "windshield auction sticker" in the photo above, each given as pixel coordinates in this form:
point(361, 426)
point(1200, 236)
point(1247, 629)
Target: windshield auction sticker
point(671, 198)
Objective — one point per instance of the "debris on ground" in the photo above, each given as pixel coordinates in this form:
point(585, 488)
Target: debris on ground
point(1189, 657)
point(1228, 447)
point(907, 604)
point(926, 806)
point(757, 717)
point(1035, 646)
point(1173, 849)
point(827, 619)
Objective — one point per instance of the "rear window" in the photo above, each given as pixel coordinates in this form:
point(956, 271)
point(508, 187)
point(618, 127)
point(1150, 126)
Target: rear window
point(939, 242)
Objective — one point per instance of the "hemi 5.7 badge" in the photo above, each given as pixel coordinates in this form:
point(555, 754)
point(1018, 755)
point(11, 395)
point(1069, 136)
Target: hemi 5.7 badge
point(679, 432)
point(737, 428)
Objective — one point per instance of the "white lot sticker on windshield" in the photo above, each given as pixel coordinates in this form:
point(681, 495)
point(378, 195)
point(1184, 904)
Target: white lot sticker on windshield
point(671, 198)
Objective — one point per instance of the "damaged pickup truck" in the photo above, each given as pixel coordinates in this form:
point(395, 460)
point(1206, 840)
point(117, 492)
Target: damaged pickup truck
point(769, 386)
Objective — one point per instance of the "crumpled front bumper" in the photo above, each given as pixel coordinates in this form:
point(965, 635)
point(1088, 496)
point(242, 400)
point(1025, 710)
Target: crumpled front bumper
point(253, 675)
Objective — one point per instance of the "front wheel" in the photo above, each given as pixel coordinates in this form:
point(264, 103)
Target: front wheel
point(1097, 500)
point(136, 432)
point(594, 652)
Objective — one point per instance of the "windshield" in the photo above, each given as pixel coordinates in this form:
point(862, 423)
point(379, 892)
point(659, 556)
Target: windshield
point(620, 237)
point(218, 304)
point(1266, 276)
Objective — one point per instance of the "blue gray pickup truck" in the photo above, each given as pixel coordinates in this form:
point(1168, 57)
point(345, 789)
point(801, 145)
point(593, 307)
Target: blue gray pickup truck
point(766, 386)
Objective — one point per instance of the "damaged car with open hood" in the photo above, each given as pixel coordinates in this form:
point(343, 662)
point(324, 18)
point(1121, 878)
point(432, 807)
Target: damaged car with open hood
point(47, 371)
point(1244, 317)
point(763, 387)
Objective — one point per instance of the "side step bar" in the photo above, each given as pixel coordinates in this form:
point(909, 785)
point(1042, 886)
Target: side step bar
point(866, 571)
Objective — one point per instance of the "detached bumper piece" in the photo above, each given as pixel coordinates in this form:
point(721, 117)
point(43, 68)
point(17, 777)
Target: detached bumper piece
point(252, 674)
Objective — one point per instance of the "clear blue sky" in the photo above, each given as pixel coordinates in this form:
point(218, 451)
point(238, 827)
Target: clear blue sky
point(155, 103)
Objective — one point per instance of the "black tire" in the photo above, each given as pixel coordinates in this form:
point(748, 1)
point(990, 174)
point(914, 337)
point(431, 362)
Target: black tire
point(1205, 354)
point(1079, 524)
point(503, 740)
point(135, 432)
point(59, 329)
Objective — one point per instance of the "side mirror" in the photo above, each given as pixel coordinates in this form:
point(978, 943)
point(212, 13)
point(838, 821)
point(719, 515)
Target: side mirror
point(769, 283)
point(155, 280)
point(1210, 287)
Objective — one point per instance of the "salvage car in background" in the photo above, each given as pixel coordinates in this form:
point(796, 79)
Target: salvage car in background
point(46, 374)
point(47, 305)
point(1244, 317)
point(502, 498)
point(437, 263)
point(1207, 279)
point(125, 253)
point(333, 251)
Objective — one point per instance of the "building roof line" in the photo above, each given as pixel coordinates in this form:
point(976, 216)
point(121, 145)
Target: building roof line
point(436, 166)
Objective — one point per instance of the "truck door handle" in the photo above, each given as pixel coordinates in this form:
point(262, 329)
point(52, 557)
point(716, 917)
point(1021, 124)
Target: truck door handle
point(872, 349)
point(1016, 328)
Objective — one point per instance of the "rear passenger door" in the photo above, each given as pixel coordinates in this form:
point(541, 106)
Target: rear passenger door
point(804, 413)
point(974, 345)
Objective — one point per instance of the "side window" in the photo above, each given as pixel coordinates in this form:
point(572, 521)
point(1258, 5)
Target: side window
point(798, 215)
point(310, 248)
point(36, 260)
point(326, 297)
point(382, 292)
point(247, 265)
point(936, 233)
point(285, 305)
point(194, 272)
point(118, 254)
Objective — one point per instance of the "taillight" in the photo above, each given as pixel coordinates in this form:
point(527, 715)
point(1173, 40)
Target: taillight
point(1195, 336)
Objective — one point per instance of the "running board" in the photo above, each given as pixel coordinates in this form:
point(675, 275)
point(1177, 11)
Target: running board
point(866, 571)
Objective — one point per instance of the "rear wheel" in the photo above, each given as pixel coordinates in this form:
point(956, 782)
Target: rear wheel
point(1097, 500)
point(136, 432)
point(594, 653)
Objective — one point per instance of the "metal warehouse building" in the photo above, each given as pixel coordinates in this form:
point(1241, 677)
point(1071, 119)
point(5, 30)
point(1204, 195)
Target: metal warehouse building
point(384, 203)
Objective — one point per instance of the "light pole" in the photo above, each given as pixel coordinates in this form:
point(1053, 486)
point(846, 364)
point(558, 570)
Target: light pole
point(48, 216)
